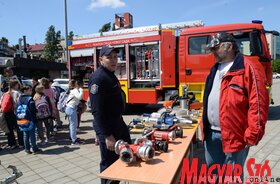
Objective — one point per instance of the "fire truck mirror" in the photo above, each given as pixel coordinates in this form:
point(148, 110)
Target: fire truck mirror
point(255, 45)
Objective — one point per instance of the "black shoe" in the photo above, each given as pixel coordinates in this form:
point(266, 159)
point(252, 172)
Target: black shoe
point(28, 152)
point(37, 151)
point(77, 142)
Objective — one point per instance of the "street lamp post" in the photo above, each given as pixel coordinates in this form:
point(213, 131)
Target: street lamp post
point(66, 36)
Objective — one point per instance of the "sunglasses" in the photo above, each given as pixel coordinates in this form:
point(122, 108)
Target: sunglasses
point(217, 45)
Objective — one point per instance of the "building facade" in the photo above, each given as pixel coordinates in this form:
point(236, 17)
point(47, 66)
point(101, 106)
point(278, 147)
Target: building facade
point(274, 45)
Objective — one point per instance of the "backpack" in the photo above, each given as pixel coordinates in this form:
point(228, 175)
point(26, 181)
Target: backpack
point(62, 101)
point(23, 115)
point(43, 108)
point(7, 103)
point(57, 91)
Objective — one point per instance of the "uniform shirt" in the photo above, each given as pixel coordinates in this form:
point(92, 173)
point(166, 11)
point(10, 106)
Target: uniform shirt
point(106, 103)
point(213, 111)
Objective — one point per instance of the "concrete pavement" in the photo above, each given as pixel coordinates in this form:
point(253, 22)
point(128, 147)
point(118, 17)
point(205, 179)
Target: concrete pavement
point(62, 163)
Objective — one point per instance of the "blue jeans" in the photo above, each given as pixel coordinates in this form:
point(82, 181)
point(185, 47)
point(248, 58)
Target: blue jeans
point(30, 136)
point(214, 153)
point(73, 121)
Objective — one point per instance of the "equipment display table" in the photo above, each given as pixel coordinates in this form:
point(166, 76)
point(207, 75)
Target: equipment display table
point(163, 168)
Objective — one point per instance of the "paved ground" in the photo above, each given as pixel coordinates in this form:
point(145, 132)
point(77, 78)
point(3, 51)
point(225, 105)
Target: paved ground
point(62, 163)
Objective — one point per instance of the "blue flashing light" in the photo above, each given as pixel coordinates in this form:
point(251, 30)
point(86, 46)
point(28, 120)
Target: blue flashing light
point(257, 21)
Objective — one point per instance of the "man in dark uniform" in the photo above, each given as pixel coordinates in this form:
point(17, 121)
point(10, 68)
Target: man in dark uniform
point(107, 107)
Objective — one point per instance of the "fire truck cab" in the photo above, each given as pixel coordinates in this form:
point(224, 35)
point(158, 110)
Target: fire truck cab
point(195, 62)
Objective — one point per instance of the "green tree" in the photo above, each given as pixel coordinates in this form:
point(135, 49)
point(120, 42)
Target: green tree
point(52, 41)
point(71, 35)
point(113, 27)
point(16, 46)
point(4, 41)
point(105, 28)
point(276, 65)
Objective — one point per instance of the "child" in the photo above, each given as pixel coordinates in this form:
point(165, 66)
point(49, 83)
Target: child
point(31, 109)
point(43, 114)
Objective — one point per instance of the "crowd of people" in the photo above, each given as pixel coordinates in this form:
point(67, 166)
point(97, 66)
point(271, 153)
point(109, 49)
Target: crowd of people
point(32, 112)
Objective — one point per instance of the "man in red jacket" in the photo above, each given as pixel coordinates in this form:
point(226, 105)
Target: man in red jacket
point(235, 104)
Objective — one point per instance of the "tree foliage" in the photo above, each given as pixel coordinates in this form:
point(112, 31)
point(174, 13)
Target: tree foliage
point(105, 28)
point(71, 35)
point(113, 27)
point(16, 46)
point(276, 65)
point(52, 41)
point(4, 40)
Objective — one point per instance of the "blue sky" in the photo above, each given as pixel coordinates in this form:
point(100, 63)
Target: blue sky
point(33, 17)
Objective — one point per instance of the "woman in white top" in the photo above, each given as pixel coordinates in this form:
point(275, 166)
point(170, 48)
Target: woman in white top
point(76, 94)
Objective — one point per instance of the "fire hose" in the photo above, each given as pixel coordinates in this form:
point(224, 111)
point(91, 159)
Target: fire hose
point(159, 145)
point(141, 149)
point(165, 132)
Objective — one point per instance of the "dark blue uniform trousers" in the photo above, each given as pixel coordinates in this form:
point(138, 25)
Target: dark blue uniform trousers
point(109, 157)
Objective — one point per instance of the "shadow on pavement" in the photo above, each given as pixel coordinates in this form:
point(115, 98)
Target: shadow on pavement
point(59, 150)
point(9, 151)
point(87, 121)
point(274, 113)
point(85, 128)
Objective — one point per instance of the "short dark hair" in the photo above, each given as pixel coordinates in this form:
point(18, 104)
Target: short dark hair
point(80, 82)
point(13, 83)
point(72, 83)
point(35, 78)
point(25, 88)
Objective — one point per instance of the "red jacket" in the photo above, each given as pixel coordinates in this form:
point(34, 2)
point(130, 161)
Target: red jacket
point(244, 103)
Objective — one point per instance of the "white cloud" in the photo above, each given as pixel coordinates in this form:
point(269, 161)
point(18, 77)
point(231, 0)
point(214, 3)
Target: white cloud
point(105, 3)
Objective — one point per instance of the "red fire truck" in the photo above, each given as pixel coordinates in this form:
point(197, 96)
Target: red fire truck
point(156, 62)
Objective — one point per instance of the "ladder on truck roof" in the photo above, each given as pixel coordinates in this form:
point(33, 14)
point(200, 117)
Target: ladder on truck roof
point(173, 26)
